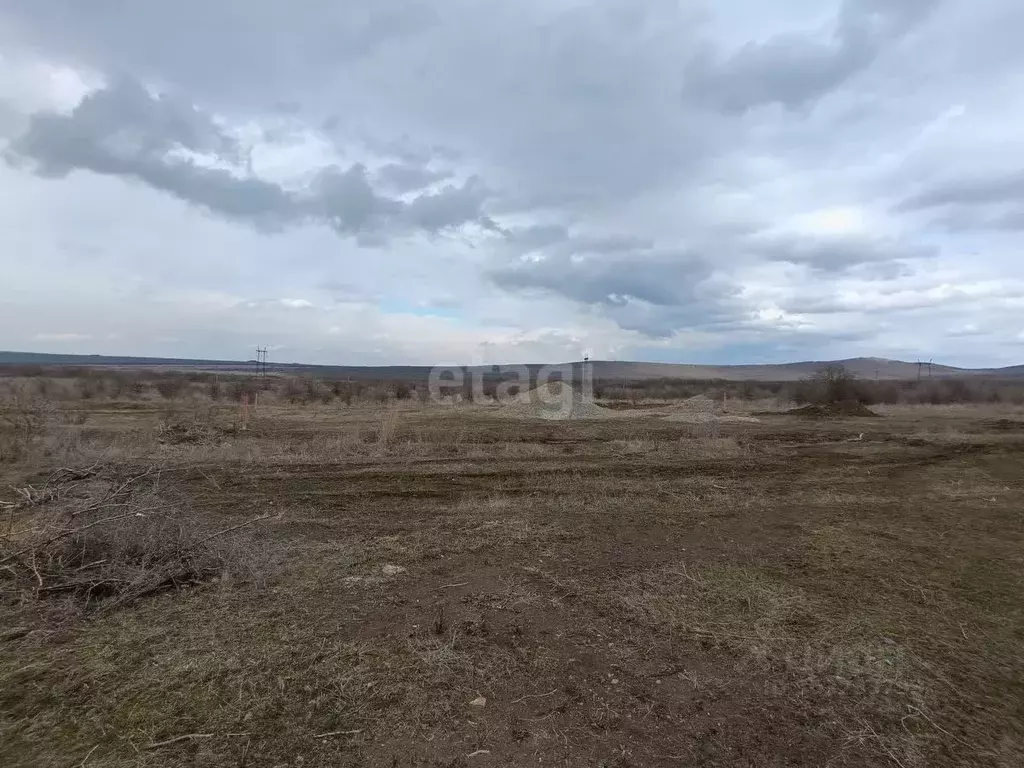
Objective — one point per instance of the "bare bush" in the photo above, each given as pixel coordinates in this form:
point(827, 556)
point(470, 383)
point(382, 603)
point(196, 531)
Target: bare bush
point(123, 543)
point(89, 388)
point(22, 424)
point(388, 427)
point(171, 387)
point(831, 385)
point(293, 390)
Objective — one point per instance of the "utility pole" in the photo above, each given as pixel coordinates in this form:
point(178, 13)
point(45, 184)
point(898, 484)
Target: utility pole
point(261, 362)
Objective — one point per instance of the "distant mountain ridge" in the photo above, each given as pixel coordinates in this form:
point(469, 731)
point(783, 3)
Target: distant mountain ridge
point(862, 367)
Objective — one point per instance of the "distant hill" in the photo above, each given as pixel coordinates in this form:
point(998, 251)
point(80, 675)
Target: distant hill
point(46, 358)
point(863, 367)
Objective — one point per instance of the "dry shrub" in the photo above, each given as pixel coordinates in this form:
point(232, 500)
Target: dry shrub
point(171, 386)
point(122, 543)
point(173, 432)
point(22, 424)
point(388, 427)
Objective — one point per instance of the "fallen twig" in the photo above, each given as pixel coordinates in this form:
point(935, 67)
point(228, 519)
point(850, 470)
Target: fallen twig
point(232, 528)
point(212, 482)
point(190, 736)
point(338, 733)
point(69, 532)
point(176, 739)
point(76, 585)
point(87, 756)
point(535, 696)
point(881, 743)
point(105, 501)
point(939, 727)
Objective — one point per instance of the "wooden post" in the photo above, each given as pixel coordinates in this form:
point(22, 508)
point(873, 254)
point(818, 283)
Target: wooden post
point(245, 411)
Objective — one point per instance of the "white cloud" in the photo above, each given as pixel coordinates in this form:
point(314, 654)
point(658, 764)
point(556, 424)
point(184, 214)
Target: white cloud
point(62, 337)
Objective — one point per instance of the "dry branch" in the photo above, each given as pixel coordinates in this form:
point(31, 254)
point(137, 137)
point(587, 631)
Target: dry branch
point(337, 733)
point(234, 528)
point(176, 739)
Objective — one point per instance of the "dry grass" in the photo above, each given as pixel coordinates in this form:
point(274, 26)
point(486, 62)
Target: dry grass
point(626, 592)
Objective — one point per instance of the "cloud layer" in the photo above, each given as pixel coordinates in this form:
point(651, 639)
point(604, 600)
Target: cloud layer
point(123, 130)
point(426, 181)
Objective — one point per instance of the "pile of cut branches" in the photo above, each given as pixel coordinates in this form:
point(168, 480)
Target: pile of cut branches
point(107, 541)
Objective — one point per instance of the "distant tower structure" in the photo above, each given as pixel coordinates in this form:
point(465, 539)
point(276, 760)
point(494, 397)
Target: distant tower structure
point(261, 362)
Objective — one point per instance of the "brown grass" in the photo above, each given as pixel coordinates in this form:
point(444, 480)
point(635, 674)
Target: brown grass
point(624, 592)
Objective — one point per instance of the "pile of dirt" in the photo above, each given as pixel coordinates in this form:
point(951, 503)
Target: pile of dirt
point(697, 404)
point(701, 409)
point(556, 401)
point(833, 411)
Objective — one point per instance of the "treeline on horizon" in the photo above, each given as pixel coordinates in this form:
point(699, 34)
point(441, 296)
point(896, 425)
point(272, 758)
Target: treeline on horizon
point(66, 383)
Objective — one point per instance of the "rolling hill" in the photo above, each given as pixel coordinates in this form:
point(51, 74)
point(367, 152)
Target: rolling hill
point(862, 367)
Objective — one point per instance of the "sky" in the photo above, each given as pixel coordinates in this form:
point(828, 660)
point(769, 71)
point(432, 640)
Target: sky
point(439, 182)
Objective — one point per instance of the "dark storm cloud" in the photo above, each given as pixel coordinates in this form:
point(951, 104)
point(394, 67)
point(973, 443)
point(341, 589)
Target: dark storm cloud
point(125, 131)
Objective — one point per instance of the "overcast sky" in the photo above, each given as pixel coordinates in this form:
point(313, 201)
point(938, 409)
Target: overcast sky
point(459, 181)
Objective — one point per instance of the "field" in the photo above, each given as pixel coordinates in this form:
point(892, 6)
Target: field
point(412, 584)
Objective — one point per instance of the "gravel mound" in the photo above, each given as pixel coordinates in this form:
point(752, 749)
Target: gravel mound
point(555, 402)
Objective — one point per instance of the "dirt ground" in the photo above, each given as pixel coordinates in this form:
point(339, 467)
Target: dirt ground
point(431, 586)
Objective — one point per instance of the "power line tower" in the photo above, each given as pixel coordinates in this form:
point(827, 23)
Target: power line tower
point(261, 362)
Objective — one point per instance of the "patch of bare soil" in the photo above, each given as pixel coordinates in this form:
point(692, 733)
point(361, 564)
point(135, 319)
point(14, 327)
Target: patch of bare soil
point(460, 591)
